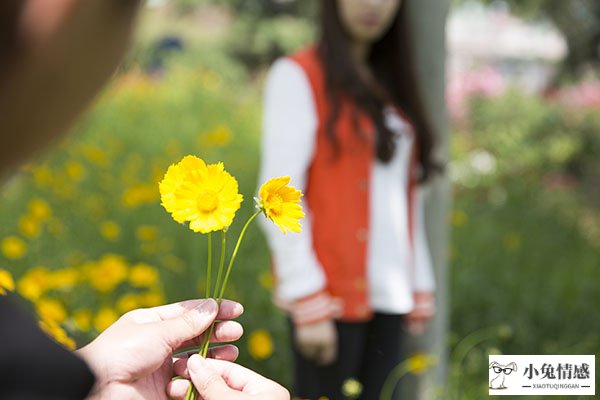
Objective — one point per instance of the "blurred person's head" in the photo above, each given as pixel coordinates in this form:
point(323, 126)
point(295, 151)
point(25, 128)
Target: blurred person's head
point(365, 21)
point(374, 34)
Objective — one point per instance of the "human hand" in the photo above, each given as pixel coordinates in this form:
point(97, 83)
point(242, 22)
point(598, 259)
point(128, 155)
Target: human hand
point(422, 312)
point(132, 359)
point(218, 380)
point(318, 341)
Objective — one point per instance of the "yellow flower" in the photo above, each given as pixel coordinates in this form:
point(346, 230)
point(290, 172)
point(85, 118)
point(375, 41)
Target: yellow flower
point(39, 209)
point(146, 233)
point(105, 318)
point(29, 226)
point(152, 299)
point(74, 171)
point(420, 363)
point(33, 284)
point(512, 241)
point(107, 273)
point(352, 388)
point(51, 310)
point(281, 203)
point(110, 230)
point(63, 278)
point(260, 344)
point(13, 247)
point(458, 218)
point(143, 275)
point(83, 319)
point(205, 195)
point(220, 137)
point(57, 333)
point(6, 282)
point(128, 302)
point(266, 280)
point(139, 194)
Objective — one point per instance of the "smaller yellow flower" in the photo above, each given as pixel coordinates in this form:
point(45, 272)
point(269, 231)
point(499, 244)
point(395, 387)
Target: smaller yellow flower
point(39, 209)
point(260, 344)
point(107, 273)
point(147, 233)
point(105, 318)
point(74, 171)
point(352, 388)
point(128, 302)
point(458, 218)
point(6, 282)
point(13, 247)
point(29, 226)
point(33, 284)
point(57, 333)
point(419, 363)
point(83, 319)
point(152, 298)
point(64, 278)
point(266, 280)
point(220, 137)
point(280, 204)
point(51, 310)
point(143, 275)
point(512, 241)
point(110, 230)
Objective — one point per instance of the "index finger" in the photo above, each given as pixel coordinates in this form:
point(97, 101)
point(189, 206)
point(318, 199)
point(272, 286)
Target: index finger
point(227, 310)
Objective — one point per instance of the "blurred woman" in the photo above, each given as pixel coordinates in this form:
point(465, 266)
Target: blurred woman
point(344, 120)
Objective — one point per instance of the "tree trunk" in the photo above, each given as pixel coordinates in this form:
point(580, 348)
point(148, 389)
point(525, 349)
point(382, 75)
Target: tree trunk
point(428, 19)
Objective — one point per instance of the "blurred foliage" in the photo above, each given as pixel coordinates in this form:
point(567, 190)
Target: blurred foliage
point(526, 239)
point(578, 21)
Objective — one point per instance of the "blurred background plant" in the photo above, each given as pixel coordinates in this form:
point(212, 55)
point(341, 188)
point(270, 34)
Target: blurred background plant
point(85, 239)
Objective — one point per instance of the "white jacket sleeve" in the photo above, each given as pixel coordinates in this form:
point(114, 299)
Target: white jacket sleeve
point(424, 280)
point(288, 142)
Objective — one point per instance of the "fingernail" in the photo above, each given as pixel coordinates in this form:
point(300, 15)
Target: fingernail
point(239, 308)
point(195, 363)
point(207, 307)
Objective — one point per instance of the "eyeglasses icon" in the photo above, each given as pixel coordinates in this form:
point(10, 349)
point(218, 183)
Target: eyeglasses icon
point(506, 371)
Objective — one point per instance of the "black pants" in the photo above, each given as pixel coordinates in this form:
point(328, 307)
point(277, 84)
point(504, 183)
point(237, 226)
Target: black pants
point(367, 352)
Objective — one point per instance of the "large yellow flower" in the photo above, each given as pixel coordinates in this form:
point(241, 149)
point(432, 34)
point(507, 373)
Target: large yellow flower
point(280, 203)
point(204, 195)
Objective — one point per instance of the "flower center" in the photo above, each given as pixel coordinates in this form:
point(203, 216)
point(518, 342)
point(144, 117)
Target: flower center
point(275, 204)
point(207, 202)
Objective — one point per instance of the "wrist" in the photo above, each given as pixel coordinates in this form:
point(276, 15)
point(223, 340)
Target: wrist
point(315, 308)
point(95, 365)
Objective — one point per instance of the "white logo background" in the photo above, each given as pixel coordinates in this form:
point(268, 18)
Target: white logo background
point(541, 375)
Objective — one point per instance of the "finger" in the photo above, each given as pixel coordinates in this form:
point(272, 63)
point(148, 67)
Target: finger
point(225, 331)
point(247, 381)
point(229, 309)
point(209, 383)
point(188, 325)
point(177, 389)
point(226, 352)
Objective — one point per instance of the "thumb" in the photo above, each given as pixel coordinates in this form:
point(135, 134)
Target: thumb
point(209, 384)
point(189, 324)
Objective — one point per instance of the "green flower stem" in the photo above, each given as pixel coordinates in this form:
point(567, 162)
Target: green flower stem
point(192, 393)
point(209, 265)
point(221, 263)
point(237, 246)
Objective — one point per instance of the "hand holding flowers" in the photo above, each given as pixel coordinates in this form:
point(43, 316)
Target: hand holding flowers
point(206, 196)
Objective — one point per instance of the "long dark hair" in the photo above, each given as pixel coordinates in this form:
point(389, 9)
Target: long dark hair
point(392, 64)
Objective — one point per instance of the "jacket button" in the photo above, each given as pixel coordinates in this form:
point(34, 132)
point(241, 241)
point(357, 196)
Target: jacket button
point(361, 235)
